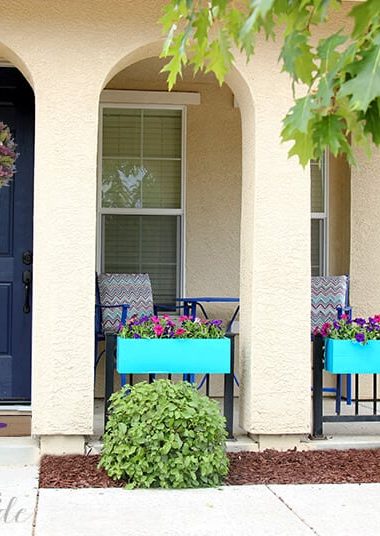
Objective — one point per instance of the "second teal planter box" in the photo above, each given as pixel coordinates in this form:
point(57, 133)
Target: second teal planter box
point(351, 357)
point(173, 356)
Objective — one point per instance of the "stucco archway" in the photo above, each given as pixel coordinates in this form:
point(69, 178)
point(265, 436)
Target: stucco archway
point(275, 218)
point(242, 101)
point(15, 60)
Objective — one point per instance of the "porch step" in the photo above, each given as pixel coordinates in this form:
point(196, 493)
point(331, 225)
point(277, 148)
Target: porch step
point(242, 443)
point(19, 451)
point(344, 442)
point(239, 444)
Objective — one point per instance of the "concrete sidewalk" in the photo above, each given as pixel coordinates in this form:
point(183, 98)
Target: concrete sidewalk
point(258, 510)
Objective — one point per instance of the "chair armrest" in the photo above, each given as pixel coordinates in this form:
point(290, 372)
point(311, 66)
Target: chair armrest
point(347, 310)
point(124, 309)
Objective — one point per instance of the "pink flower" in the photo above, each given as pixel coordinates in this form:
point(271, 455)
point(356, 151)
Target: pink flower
point(376, 318)
point(158, 330)
point(183, 318)
point(325, 329)
point(155, 319)
point(166, 317)
point(179, 332)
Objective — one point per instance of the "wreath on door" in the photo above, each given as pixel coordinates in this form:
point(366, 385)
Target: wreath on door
point(8, 155)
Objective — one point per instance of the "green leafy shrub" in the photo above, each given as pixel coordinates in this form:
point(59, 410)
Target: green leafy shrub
point(164, 435)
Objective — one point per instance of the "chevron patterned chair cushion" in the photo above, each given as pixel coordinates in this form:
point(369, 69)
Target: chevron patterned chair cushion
point(132, 289)
point(326, 294)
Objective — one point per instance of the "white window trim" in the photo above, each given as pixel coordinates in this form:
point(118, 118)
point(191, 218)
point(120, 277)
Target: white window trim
point(324, 216)
point(147, 211)
point(155, 98)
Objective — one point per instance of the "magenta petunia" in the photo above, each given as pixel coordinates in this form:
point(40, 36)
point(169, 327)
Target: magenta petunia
point(158, 330)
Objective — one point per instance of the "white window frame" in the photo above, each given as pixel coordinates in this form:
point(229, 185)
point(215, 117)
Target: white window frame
point(323, 218)
point(144, 211)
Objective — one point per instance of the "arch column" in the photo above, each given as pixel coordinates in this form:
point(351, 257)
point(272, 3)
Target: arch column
point(275, 263)
point(64, 255)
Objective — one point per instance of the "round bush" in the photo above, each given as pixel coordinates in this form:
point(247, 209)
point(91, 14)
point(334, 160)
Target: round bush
point(164, 435)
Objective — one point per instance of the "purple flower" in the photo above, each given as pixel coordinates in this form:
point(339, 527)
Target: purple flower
point(136, 336)
point(360, 321)
point(360, 337)
point(337, 325)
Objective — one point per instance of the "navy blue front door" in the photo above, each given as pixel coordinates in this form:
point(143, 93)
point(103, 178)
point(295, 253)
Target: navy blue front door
point(16, 242)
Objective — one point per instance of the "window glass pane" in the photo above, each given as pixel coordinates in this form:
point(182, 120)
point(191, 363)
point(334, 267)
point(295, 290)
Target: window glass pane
point(144, 244)
point(141, 164)
point(122, 183)
point(163, 189)
point(317, 187)
point(162, 133)
point(317, 260)
point(121, 132)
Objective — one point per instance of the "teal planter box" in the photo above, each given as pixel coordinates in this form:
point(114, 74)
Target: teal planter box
point(351, 357)
point(173, 356)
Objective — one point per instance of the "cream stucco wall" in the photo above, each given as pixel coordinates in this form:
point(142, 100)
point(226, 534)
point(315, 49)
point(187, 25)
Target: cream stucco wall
point(365, 238)
point(70, 51)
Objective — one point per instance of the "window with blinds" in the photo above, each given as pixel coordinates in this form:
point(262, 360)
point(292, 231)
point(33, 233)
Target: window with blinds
point(318, 175)
point(141, 205)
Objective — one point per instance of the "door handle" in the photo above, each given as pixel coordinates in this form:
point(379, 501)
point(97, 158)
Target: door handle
point(27, 280)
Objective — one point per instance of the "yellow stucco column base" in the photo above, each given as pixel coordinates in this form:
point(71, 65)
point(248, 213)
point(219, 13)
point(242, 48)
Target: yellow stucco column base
point(280, 442)
point(62, 444)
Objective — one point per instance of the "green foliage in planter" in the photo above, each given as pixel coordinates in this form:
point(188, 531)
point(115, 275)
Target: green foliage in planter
point(164, 435)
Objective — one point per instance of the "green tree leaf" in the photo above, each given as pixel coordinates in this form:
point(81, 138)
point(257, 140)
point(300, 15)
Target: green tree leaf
point(339, 74)
point(364, 87)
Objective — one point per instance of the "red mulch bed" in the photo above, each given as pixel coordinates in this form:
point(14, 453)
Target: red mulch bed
point(268, 467)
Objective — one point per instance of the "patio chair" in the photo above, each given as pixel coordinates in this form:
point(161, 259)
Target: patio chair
point(329, 300)
point(119, 296)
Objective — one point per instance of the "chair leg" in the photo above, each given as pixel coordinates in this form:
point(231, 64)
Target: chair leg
point(123, 379)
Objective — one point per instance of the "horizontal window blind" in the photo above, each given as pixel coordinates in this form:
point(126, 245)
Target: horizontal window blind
point(318, 177)
point(316, 243)
point(141, 165)
point(141, 169)
point(121, 132)
point(144, 244)
point(161, 133)
point(317, 187)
